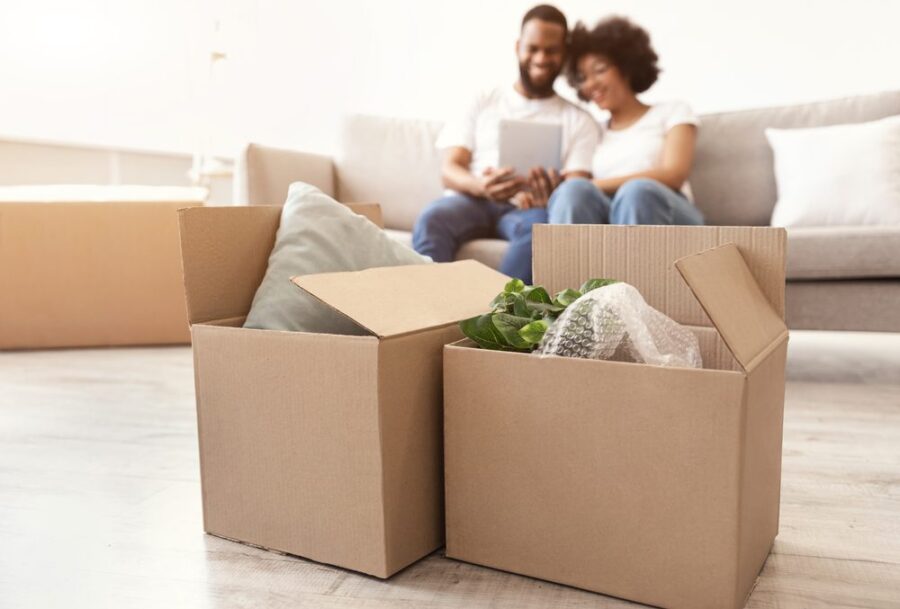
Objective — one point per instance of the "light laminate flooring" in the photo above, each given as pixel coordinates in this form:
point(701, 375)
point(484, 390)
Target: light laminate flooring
point(100, 496)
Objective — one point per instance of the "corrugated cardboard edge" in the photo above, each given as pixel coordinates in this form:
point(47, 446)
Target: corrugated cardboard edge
point(197, 393)
point(704, 272)
point(759, 504)
point(386, 554)
point(377, 574)
point(421, 510)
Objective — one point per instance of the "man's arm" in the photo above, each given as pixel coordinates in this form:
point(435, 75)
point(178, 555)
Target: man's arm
point(455, 172)
point(495, 184)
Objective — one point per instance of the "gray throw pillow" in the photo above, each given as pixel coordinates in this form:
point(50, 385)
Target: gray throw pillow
point(318, 235)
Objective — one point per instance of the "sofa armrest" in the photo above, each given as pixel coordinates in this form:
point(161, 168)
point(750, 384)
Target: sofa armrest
point(262, 174)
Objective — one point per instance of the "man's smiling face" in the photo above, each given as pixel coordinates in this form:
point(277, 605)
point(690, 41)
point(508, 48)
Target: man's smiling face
point(541, 50)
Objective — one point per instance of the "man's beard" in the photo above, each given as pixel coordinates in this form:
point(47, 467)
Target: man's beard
point(532, 88)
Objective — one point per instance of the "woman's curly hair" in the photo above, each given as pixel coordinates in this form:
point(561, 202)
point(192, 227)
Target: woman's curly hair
point(623, 43)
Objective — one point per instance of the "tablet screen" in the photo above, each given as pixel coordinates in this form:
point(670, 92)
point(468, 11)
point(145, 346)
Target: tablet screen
point(527, 144)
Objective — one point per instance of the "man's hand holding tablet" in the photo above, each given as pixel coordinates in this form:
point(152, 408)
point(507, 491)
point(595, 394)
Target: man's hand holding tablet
point(533, 150)
point(501, 184)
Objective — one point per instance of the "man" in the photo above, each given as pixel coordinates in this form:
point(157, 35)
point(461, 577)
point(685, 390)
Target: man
point(486, 200)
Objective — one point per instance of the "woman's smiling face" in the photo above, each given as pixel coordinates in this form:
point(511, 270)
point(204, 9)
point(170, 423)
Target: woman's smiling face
point(601, 82)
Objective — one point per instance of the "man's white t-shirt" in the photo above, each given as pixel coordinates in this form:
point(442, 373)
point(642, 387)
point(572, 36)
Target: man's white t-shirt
point(478, 128)
point(639, 147)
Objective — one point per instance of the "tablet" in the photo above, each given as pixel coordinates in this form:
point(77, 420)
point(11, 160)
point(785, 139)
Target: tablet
point(527, 144)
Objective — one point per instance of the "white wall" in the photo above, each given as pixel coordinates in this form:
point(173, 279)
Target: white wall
point(132, 73)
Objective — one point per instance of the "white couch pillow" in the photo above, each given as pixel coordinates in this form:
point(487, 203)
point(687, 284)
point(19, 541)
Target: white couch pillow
point(837, 175)
point(318, 235)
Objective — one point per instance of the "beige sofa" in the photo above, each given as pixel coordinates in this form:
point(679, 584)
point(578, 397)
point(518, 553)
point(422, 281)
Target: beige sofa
point(839, 278)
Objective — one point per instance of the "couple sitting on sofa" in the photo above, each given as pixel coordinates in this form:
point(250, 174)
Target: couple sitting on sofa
point(636, 175)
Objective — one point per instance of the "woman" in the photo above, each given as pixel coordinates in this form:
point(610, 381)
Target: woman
point(642, 163)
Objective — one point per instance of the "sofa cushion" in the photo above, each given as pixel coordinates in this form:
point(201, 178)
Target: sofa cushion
point(843, 252)
point(485, 251)
point(263, 174)
point(400, 236)
point(392, 161)
point(862, 305)
point(733, 180)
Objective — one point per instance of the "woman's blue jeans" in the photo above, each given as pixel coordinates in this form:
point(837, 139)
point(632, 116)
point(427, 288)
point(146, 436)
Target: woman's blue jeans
point(638, 201)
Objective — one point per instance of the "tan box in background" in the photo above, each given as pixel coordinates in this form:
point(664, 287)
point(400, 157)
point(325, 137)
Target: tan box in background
point(91, 266)
point(323, 446)
point(659, 485)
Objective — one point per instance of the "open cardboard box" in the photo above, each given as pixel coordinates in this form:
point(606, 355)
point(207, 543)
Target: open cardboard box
point(85, 266)
point(322, 446)
point(659, 485)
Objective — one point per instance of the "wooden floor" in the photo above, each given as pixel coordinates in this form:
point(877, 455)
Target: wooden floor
point(100, 496)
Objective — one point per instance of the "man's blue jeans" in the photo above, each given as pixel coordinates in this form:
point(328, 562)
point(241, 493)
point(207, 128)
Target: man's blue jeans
point(452, 220)
point(638, 201)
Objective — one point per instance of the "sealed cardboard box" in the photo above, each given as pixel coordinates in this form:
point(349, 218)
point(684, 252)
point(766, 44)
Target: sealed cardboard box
point(91, 266)
point(323, 446)
point(655, 484)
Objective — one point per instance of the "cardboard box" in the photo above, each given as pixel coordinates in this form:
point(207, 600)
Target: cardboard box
point(91, 266)
point(327, 447)
point(659, 485)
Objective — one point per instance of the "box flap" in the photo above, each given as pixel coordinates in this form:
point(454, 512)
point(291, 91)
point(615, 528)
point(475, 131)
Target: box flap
point(225, 253)
point(734, 301)
point(395, 300)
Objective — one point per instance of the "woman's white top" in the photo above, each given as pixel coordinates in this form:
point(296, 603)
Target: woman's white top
point(639, 147)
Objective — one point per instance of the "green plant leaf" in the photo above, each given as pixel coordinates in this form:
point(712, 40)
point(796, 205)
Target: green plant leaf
point(593, 284)
point(514, 285)
point(533, 302)
point(536, 293)
point(541, 310)
point(520, 306)
point(567, 297)
point(533, 333)
point(505, 300)
point(481, 330)
point(502, 302)
point(508, 326)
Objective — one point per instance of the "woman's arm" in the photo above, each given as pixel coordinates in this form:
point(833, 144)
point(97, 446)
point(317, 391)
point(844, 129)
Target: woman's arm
point(673, 171)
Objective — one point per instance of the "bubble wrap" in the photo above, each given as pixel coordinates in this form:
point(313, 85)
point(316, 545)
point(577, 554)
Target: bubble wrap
point(615, 323)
